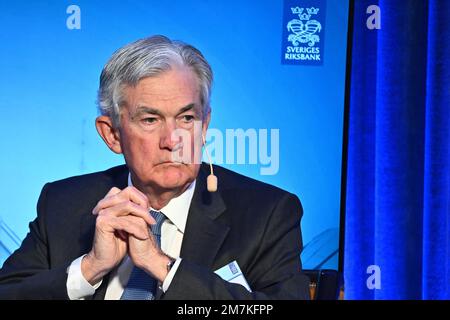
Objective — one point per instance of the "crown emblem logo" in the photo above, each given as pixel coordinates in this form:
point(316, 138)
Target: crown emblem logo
point(305, 15)
point(304, 29)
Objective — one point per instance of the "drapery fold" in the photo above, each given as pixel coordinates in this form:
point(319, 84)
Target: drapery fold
point(398, 193)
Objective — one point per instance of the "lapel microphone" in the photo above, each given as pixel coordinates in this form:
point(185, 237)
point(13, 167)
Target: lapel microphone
point(211, 181)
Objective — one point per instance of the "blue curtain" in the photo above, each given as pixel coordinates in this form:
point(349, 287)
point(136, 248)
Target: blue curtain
point(398, 181)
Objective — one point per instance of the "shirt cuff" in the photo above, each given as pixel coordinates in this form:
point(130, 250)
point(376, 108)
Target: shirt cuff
point(78, 288)
point(170, 275)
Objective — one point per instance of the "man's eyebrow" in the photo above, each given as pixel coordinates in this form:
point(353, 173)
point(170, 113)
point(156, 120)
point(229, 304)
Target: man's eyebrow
point(149, 110)
point(187, 108)
point(144, 109)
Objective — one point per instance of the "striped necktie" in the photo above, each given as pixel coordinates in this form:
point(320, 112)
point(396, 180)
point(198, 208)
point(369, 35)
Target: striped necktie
point(142, 286)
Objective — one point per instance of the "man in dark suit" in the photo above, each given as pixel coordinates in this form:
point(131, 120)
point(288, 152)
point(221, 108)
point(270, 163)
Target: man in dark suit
point(94, 237)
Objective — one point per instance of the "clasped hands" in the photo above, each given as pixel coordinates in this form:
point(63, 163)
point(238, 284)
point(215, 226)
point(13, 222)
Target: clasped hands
point(122, 226)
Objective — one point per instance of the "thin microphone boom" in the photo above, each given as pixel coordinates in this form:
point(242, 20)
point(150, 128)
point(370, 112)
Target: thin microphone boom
point(211, 181)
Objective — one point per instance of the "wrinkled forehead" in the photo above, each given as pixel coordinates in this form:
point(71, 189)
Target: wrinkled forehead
point(175, 86)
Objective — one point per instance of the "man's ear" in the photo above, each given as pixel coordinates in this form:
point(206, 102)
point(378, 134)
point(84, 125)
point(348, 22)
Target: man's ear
point(109, 134)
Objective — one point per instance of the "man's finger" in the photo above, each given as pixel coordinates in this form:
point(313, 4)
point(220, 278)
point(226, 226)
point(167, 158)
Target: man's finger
point(113, 191)
point(136, 196)
point(128, 194)
point(136, 228)
point(128, 208)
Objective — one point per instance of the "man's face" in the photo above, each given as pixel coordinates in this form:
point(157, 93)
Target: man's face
point(154, 109)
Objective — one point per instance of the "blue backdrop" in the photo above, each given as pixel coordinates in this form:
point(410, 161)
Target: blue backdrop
point(50, 77)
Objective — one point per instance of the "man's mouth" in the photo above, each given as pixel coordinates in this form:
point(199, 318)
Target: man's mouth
point(173, 163)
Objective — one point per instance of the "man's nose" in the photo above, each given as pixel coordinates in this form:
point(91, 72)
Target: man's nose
point(169, 140)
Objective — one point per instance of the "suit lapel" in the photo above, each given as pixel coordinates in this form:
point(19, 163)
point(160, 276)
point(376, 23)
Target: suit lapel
point(204, 235)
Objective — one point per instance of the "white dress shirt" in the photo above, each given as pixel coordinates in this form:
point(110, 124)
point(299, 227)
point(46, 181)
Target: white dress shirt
point(172, 231)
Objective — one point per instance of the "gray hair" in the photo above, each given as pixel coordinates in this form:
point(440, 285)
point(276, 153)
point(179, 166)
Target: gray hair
point(144, 58)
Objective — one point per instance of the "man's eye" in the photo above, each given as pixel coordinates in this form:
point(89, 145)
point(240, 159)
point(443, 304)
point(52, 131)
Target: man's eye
point(188, 118)
point(149, 120)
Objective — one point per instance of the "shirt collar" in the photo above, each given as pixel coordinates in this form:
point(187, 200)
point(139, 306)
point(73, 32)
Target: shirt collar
point(178, 208)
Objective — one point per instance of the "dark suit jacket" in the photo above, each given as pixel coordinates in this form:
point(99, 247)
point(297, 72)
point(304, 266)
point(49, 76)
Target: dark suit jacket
point(256, 224)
